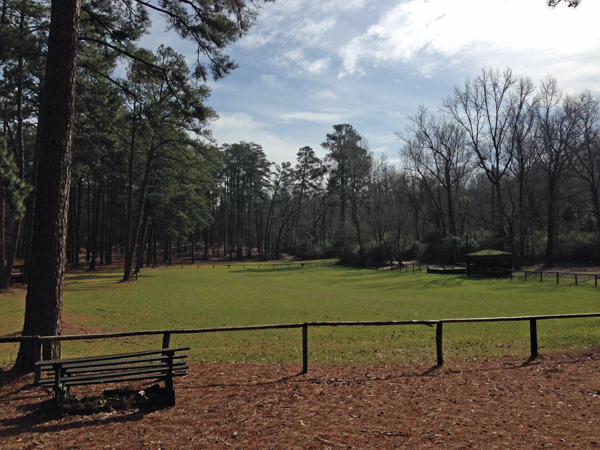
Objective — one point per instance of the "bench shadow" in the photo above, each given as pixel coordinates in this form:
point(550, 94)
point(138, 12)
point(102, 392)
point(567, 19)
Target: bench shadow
point(11, 375)
point(46, 415)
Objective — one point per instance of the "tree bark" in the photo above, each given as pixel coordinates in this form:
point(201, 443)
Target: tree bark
point(95, 229)
point(129, 217)
point(43, 307)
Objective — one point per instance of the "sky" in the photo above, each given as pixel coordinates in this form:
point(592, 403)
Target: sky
point(307, 65)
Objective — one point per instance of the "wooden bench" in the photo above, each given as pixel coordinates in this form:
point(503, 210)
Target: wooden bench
point(163, 364)
point(16, 278)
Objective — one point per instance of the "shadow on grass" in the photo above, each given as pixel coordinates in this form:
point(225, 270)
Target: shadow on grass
point(92, 281)
point(13, 334)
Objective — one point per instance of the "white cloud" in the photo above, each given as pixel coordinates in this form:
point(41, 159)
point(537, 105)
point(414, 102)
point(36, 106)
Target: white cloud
point(312, 32)
point(379, 151)
point(303, 23)
point(420, 32)
point(315, 117)
point(325, 94)
point(270, 80)
point(238, 126)
point(235, 127)
point(317, 66)
point(297, 63)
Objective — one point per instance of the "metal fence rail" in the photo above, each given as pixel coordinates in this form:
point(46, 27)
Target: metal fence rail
point(40, 341)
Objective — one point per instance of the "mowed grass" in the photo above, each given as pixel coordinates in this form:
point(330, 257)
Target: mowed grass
point(192, 297)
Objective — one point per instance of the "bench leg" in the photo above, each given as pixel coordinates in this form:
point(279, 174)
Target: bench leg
point(62, 393)
point(170, 391)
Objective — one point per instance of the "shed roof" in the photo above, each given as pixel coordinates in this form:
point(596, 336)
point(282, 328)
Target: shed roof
point(490, 253)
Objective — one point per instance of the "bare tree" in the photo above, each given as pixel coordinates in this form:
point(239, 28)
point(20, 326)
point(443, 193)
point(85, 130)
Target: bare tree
point(438, 153)
point(556, 133)
point(525, 156)
point(488, 108)
point(585, 151)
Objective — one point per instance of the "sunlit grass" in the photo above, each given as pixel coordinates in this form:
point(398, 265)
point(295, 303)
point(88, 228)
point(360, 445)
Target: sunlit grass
point(199, 297)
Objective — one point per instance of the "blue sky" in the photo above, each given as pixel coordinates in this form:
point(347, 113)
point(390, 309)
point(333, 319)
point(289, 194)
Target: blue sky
point(310, 64)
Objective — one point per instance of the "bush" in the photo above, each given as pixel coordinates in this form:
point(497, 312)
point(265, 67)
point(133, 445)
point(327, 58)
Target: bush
point(578, 247)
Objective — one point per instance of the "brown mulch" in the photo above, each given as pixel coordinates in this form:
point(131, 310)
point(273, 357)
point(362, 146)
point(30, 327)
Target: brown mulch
point(510, 402)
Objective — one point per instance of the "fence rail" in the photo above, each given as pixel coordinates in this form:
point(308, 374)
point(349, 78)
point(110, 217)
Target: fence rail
point(40, 341)
point(267, 265)
point(532, 274)
point(543, 273)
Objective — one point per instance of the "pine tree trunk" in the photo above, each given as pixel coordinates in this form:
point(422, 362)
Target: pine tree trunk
point(95, 229)
point(129, 216)
point(89, 222)
point(111, 229)
point(150, 235)
point(141, 245)
point(43, 307)
point(102, 228)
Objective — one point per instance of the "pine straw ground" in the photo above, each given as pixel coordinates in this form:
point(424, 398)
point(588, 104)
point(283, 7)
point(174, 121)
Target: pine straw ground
point(553, 402)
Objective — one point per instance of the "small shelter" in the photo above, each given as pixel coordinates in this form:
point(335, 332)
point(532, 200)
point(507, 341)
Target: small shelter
point(489, 263)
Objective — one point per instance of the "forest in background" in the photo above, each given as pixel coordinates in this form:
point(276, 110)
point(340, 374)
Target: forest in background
point(502, 164)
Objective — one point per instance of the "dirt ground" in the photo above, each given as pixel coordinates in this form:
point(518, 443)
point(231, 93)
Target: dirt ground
point(553, 402)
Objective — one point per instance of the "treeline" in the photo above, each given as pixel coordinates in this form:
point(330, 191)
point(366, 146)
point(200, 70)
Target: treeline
point(502, 164)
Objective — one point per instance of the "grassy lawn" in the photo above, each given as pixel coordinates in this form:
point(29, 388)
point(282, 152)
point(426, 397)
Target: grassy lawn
point(205, 297)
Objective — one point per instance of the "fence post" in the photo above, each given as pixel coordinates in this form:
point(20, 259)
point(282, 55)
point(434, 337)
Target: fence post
point(304, 348)
point(533, 332)
point(575, 279)
point(166, 340)
point(596, 280)
point(541, 276)
point(525, 273)
point(438, 344)
point(556, 277)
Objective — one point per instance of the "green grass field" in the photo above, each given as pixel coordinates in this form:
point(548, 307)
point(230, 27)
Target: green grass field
point(205, 297)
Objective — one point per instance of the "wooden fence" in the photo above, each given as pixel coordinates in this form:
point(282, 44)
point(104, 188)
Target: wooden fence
point(273, 266)
point(557, 275)
point(528, 274)
point(404, 267)
point(40, 341)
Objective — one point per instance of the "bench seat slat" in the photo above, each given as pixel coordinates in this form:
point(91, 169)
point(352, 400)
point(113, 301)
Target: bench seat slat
point(94, 365)
point(70, 371)
point(49, 381)
point(109, 357)
point(119, 380)
point(159, 372)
